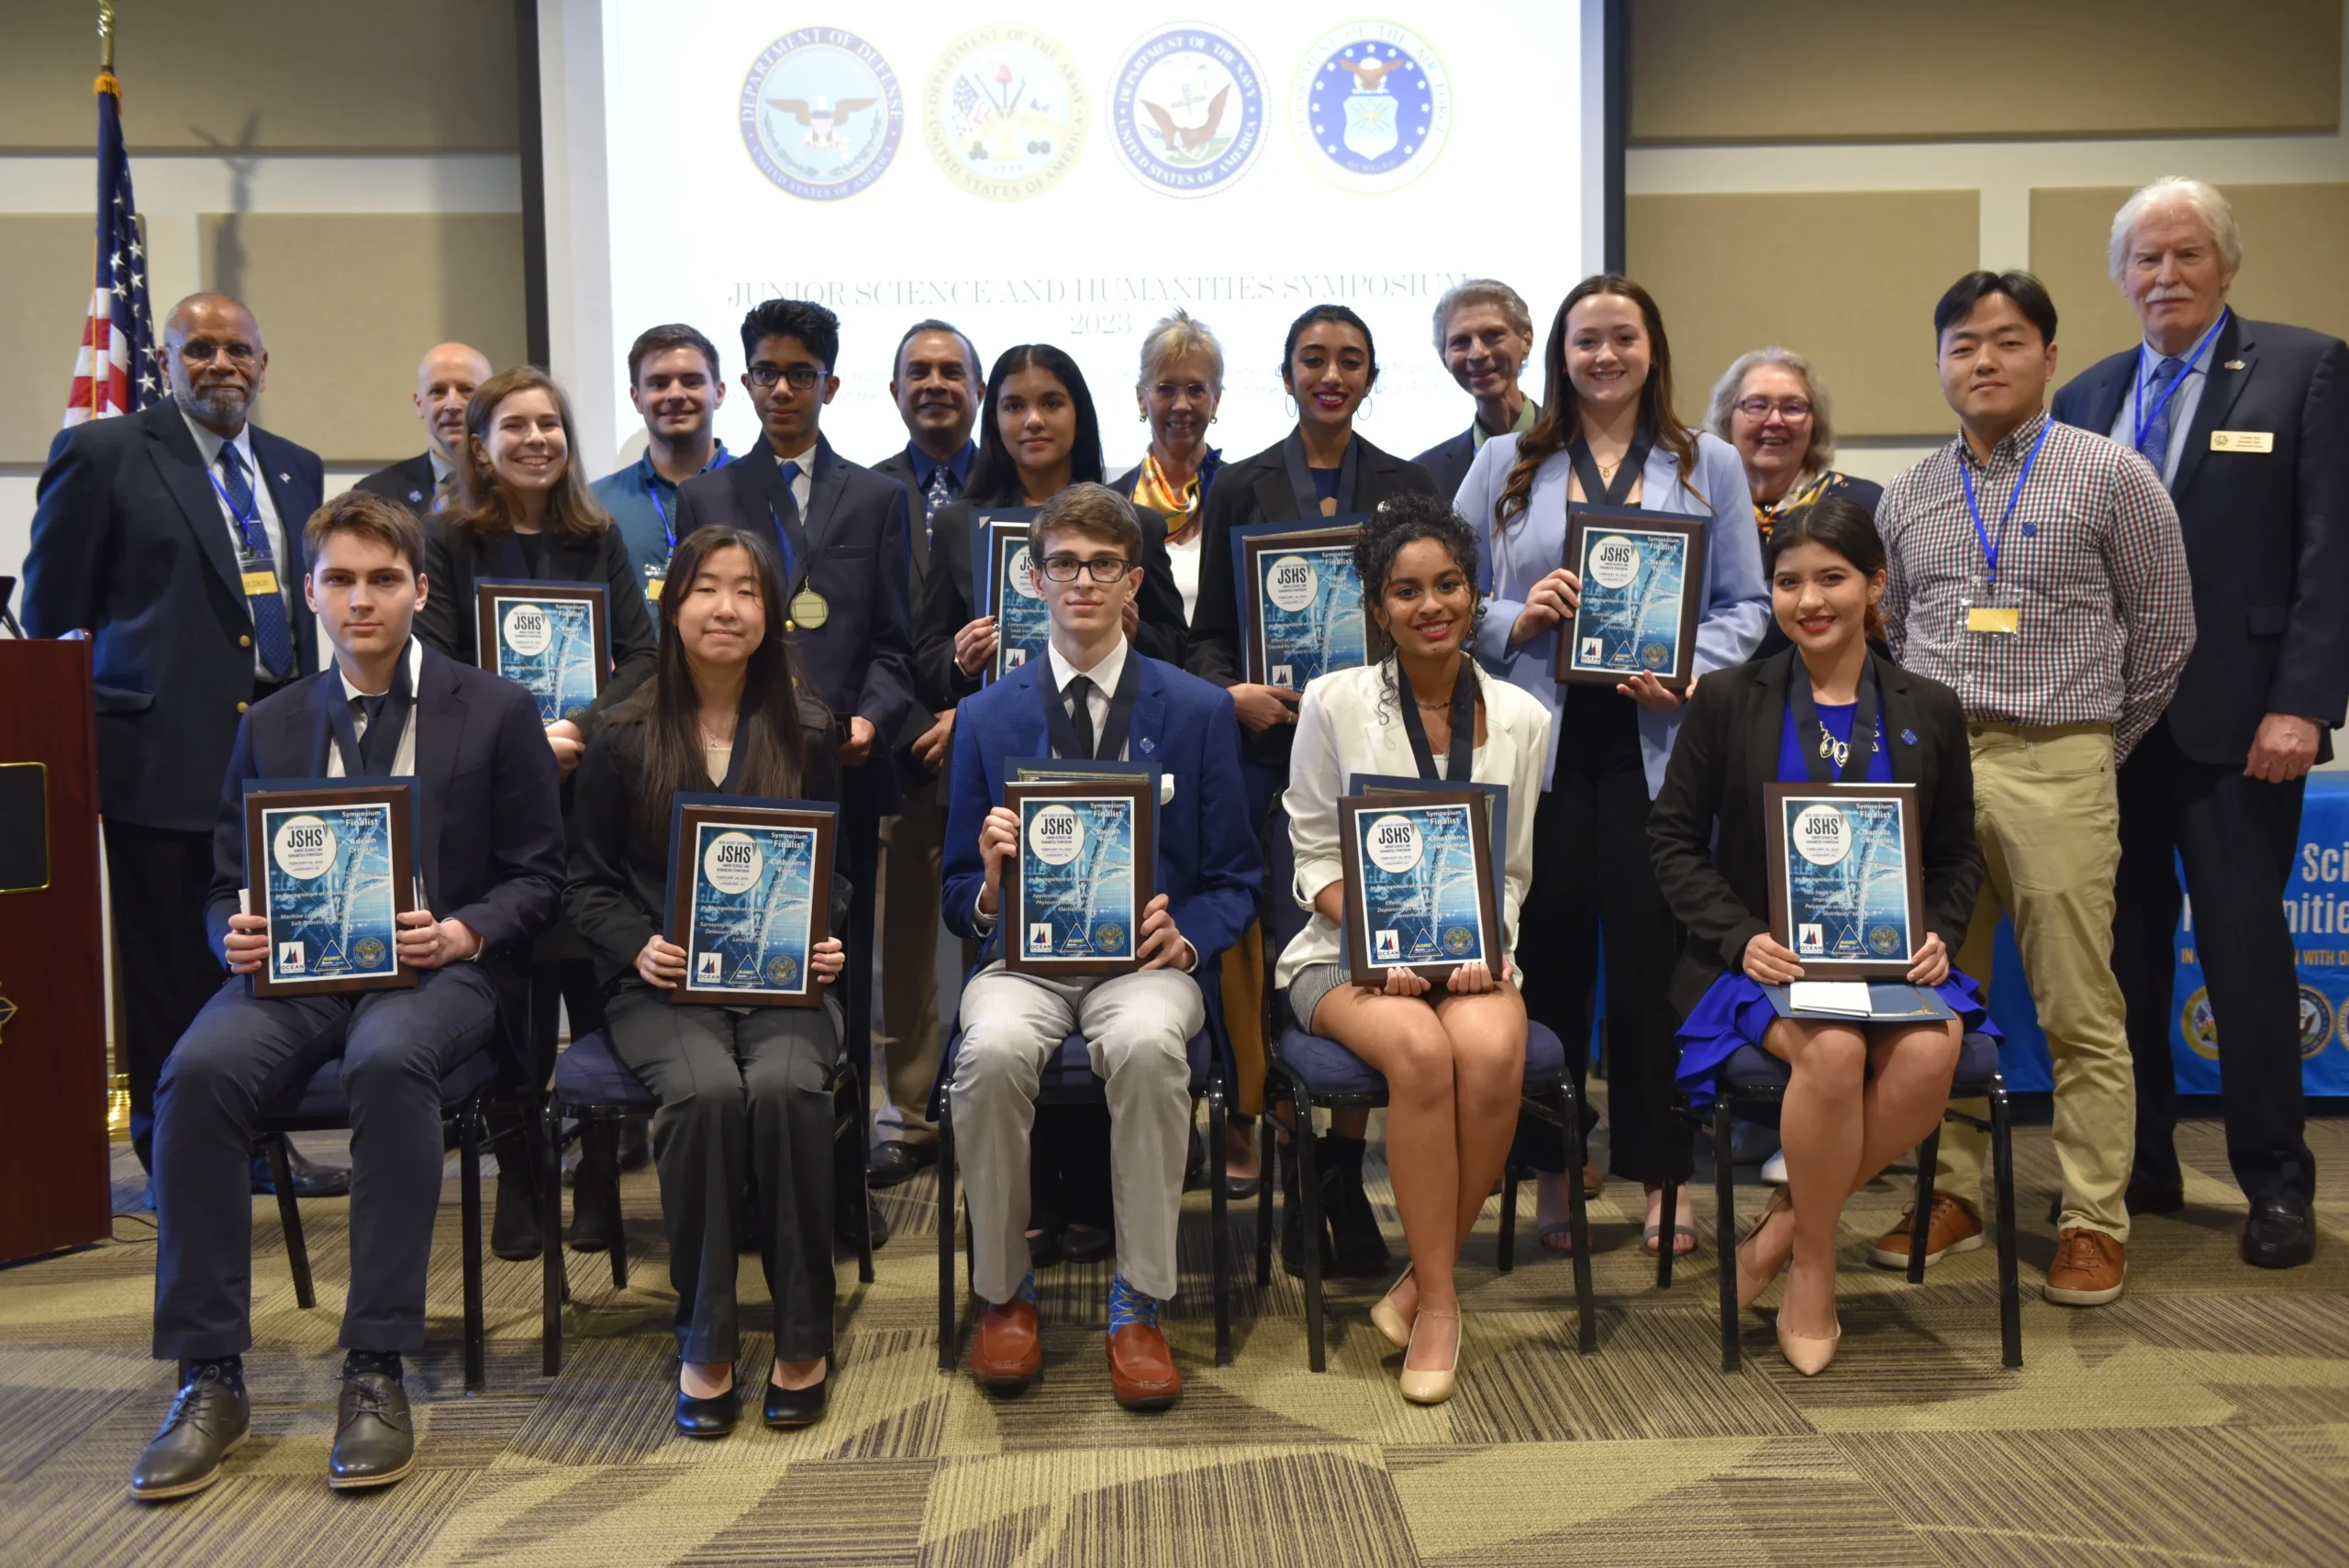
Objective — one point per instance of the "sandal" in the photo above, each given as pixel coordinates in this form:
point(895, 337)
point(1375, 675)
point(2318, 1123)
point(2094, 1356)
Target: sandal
point(1557, 1239)
point(1652, 1237)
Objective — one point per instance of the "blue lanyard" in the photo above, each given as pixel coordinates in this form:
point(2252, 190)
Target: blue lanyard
point(652, 494)
point(246, 527)
point(1990, 545)
point(2146, 416)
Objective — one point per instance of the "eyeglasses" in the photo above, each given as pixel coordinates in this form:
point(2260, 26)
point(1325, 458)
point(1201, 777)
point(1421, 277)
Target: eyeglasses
point(1168, 391)
point(203, 350)
point(801, 377)
point(1789, 409)
point(1102, 568)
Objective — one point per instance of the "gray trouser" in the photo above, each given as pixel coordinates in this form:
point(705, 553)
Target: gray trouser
point(1137, 1028)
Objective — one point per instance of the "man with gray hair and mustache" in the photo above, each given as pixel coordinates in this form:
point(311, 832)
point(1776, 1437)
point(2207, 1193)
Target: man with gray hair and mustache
point(2247, 423)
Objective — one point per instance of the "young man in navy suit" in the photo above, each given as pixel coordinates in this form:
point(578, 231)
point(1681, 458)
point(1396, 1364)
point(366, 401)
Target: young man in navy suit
point(1093, 695)
point(490, 854)
point(172, 537)
point(2247, 423)
point(842, 533)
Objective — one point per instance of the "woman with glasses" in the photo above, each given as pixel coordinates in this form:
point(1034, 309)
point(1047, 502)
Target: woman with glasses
point(1774, 409)
point(1322, 468)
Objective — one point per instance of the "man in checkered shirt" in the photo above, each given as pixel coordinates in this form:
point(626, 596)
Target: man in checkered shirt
point(2037, 569)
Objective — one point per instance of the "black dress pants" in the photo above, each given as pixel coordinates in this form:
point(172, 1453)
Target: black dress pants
point(1592, 874)
point(2237, 836)
point(239, 1055)
point(742, 1091)
point(158, 879)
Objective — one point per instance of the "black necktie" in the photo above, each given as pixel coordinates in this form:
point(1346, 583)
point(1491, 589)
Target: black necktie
point(379, 749)
point(1080, 713)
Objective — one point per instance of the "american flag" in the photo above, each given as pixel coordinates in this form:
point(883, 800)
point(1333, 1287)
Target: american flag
point(115, 372)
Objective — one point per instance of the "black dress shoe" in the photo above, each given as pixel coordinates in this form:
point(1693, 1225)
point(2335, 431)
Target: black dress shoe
point(896, 1161)
point(310, 1180)
point(514, 1232)
point(844, 1222)
point(714, 1416)
point(796, 1406)
point(209, 1420)
point(594, 1209)
point(2280, 1233)
point(374, 1439)
point(636, 1143)
point(1045, 1249)
point(1088, 1243)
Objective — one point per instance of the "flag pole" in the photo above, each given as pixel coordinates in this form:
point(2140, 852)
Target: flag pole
point(105, 84)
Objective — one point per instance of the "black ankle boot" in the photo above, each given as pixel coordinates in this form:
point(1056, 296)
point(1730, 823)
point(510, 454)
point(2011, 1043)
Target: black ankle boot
point(514, 1232)
point(1360, 1248)
point(1293, 1221)
point(595, 1191)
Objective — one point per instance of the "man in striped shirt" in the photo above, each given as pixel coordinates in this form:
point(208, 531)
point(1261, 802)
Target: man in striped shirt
point(2037, 569)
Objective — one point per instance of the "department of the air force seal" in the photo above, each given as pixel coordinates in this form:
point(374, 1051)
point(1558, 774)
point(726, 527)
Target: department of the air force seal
point(822, 113)
point(1188, 110)
point(1372, 102)
point(1004, 112)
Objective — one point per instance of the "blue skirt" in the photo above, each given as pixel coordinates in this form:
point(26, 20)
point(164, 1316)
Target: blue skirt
point(1736, 1012)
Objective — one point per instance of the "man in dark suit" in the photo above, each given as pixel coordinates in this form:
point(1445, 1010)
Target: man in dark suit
point(936, 383)
point(1093, 695)
point(842, 532)
point(173, 537)
point(445, 380)
point(489, 852)
point(1484, 334)
point(2247, 422)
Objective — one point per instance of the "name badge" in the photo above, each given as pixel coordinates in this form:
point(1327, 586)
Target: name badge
point(2242, 441)
point(809, 610)
point(260, 583)
point(2003, 621)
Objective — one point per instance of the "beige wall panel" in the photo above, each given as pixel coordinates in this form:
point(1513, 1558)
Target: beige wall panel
point(349, 303)
point(47, 263)
point(2294, 239)
point(1726, 71)
point(265, 76)
point(1847, 279)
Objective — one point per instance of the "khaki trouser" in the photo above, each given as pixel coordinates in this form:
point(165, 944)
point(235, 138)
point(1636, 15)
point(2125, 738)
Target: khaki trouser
point(2048, 820)
point(906, 1039)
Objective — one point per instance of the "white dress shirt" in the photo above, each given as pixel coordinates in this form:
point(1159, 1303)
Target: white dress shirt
point(803, 484)
point(208, 444)
point(2182, 402)
point(1104, 675)
point(403, 764)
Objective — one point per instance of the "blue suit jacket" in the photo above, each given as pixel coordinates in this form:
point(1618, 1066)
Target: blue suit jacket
point(2265, 543)
point(861, 658)
point(129, 544)
point(490, 843)
point(1209, 864)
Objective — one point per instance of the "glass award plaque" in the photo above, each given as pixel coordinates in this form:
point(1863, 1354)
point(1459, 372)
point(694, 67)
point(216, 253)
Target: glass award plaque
point(554, 639)
point(1847, 880)
point(1643, 583)
point(1074, 896)
point(331, 869)
point(749, 897)
point(1419, 887)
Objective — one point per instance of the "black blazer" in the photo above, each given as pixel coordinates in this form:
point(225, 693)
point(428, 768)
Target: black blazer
point(947, 607)
point(410, 483)
point(2266, 542)
point(490, 829)
point(129, 544)
point(455, 559)
point(858, 527)
point(619, 870)
point(1728, 749)
point(898, 466)
point(1446, 462)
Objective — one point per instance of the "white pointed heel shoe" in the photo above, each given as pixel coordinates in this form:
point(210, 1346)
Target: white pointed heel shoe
point(1387, 1318)
point(1432, 1386)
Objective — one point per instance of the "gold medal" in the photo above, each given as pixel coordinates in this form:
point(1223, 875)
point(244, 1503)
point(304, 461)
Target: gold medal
point(809, 610)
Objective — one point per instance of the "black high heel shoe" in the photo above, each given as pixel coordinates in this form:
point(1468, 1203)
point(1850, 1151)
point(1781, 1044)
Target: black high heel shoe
point(714, 1416)
point(797, 1406)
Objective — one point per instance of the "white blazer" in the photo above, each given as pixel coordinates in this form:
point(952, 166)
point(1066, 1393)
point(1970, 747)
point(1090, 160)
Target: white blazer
point(1348, 724)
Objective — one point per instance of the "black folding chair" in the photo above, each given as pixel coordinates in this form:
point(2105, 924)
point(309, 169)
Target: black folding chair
point(1304, 1070)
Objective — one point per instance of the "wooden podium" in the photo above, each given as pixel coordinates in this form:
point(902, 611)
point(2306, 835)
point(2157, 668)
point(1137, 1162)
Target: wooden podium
point(54, 1189)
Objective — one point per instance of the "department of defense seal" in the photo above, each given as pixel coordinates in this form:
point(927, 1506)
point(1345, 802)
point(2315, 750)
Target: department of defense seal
point(1188, 110)
point(1371, 102)
point(369, 951)
point(782, 971)
point(1109, 937)
point(1656, 656)
point(822, 113)
point(1884, 940)
point(1004, 112)
point(1458, 939)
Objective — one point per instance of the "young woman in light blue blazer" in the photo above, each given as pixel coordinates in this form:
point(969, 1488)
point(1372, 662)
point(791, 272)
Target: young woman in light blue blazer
point(1607, 435)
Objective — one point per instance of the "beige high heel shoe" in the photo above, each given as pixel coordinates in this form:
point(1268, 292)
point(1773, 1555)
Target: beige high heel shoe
point(1387, 1318)
point(1749, 1283)
point(1433, 1386)
point(1808, 1353)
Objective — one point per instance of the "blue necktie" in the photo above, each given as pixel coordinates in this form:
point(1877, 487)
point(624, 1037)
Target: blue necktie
point(2155, 444)
point(270, 632)
point(940, 492)
point(785, 519)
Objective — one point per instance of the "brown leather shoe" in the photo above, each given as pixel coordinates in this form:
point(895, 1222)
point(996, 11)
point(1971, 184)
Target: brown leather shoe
point(2087, 1270)
point(1951, 1231)
point(1141, 1368)
point(1008, 1351)
point(1593, 1178)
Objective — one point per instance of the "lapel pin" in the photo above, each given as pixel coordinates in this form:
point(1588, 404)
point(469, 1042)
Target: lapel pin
point(1908, 736)
point(285, 478)
point(416, 494)
point(1148, 744)
point(2234, 365)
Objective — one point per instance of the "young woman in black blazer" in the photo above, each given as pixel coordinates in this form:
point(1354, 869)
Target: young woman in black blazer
point(741, 1089)
point(1858, 1093)
point(1322, 468)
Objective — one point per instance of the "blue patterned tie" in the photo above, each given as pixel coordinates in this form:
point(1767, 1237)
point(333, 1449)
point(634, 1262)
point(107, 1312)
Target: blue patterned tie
point(2154, 443)
point(270, 632)
point(940, 492)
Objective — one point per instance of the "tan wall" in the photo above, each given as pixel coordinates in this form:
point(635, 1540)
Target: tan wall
point(265, 76)
point(1876, 70)
point(47, 261)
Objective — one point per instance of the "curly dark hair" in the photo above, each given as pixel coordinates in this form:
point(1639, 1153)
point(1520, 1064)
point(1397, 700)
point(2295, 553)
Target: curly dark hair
point(1406, 519)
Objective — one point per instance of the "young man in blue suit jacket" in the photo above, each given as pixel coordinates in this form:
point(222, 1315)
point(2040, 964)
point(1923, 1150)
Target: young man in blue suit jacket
point(2247, 422)
point(172, 537)
point(1093, 695)
point(489, 852)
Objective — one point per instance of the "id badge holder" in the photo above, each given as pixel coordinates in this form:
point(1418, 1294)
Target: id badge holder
point(1991, 607)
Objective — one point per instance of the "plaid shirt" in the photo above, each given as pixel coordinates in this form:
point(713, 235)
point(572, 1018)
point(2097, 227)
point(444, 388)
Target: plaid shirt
point(2092, 558)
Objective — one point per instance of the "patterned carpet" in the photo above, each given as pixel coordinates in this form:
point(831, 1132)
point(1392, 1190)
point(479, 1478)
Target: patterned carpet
point(2204, 1418)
